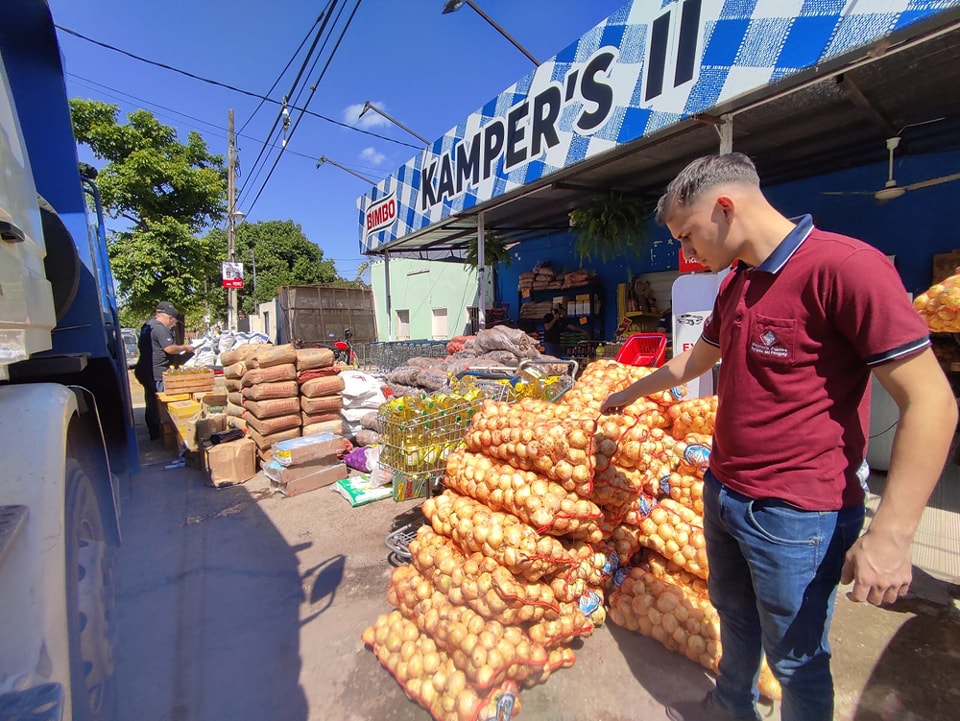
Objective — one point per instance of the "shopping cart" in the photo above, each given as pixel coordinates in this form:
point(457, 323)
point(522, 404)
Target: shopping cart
point(415, 449)
point(533, 378)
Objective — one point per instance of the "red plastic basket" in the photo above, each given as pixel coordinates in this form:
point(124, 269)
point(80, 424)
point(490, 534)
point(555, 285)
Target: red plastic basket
point(644, 349)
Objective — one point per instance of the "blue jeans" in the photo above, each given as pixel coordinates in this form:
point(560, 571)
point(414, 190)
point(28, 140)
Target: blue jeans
point(774, 571)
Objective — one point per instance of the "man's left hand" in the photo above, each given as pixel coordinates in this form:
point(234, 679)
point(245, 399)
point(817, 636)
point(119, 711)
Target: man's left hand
point(880, 568)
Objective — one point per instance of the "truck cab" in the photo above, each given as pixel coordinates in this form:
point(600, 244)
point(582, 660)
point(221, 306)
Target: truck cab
point(66, 420)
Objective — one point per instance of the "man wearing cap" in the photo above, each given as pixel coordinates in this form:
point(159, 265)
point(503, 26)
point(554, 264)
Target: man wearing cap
point(158, 348)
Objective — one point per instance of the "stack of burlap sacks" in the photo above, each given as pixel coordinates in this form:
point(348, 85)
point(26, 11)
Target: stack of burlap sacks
point(280, 393)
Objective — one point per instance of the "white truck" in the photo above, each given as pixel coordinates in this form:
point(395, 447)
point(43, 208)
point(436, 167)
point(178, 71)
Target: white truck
point(66, 424)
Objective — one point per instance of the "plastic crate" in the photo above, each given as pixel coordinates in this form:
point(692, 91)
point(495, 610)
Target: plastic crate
point(644, 349)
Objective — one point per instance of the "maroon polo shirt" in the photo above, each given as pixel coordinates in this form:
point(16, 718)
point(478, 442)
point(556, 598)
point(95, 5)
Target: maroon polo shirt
point(799, 335)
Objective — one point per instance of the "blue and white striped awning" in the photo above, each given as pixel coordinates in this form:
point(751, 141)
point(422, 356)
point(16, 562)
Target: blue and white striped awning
point(648, 67)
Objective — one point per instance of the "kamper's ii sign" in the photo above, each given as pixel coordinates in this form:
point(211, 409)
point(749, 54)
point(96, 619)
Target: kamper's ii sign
point(647, 67)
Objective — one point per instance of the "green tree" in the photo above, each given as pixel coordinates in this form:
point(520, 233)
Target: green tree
point(283, 256)
point(169, 192)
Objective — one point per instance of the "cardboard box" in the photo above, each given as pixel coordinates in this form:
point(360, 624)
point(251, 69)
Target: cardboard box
point(945, 265)
point(308, 448)
point(311, 482)
point(229, 463)
point(200, 430)
point(279, 473)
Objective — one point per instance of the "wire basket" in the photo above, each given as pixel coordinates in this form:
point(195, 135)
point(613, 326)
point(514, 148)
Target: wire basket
point(419, 433)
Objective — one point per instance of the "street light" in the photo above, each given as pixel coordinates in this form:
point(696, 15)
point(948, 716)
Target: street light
point(370, 106)
point(454, 5)
point(325, 159)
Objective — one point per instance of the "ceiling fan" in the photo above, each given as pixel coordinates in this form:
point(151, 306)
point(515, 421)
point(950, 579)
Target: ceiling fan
point(890, 189)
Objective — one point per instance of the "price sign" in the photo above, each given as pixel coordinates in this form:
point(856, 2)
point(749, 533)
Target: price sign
point(583, 320)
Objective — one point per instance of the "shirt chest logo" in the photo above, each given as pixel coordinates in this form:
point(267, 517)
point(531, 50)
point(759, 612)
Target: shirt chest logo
point(773, 339)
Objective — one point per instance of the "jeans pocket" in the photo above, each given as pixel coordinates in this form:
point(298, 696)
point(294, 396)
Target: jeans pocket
point(782, 524)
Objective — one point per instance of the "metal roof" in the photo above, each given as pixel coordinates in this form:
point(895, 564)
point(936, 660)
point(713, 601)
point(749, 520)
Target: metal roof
point(828, 119)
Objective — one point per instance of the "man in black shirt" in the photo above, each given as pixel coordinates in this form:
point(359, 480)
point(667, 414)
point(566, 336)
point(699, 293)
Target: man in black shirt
point(158, 348)
point(554, 323)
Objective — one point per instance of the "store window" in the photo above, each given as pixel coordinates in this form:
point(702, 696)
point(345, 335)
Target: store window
point(438, 327)
point(403, 325)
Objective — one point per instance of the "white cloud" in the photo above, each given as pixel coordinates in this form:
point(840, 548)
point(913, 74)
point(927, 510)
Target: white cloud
point(370, 119)
point(372, 156)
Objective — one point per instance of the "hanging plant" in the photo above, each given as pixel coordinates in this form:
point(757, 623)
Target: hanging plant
point(494, 251)
point(610, 227)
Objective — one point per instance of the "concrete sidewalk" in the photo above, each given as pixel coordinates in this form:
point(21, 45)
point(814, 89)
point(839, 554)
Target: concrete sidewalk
point(235, 603)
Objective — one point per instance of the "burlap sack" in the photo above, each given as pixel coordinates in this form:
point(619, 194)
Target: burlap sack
point(273, 374)
point(309, 419)
point(271, 425)
point(275, 356)
point(321, 404)
point(284, 389)
point(273, 407)
point(240, 353)
point(327, 386)
point(265, 442)
point(310, 358)
point(336, 427)
point(317, 373)
point(235, 370)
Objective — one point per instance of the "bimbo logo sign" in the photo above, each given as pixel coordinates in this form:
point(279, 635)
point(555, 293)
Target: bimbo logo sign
point(381, 214)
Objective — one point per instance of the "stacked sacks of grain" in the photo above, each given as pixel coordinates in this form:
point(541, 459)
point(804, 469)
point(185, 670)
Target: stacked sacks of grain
point(234, 363)
point(321, 392)
point(271, 397)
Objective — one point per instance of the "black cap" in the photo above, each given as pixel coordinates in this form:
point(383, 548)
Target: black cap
point(169, 308)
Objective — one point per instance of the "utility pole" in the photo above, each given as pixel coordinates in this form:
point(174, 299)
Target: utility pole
point(231, 209)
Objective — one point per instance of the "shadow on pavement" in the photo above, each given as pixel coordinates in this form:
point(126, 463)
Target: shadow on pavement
point(666, 676)
point(917, 677)
point(208, 603)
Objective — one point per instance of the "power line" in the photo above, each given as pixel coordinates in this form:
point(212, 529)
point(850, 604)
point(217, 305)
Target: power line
point(102, 88)
point(282, 73)
point(283, 115)
point(232, 87)
point(313, 90)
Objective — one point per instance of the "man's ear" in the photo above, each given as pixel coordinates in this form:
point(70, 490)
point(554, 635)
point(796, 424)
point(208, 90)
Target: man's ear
point(726, 206)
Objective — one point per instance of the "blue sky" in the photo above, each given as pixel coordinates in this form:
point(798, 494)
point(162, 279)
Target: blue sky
point(426, 69)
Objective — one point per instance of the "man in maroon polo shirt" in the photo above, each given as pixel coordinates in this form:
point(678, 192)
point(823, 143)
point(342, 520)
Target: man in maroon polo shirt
point(800, 323)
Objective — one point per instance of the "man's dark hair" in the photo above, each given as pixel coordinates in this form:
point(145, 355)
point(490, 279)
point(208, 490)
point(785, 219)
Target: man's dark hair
point(705, 173)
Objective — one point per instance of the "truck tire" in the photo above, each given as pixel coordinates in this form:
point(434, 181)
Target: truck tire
point(90, 600)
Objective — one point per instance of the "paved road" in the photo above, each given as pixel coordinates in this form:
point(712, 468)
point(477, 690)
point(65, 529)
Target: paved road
point(241, 606)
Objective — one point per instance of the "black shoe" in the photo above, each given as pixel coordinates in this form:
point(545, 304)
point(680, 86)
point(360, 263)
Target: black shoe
point(706, 710)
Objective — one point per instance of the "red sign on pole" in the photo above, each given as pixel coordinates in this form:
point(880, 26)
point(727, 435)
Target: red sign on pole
point(232, 275)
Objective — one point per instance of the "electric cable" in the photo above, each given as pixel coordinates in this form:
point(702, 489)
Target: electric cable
point(313, 90)
point(282, 116)
point(233, 88)
point(282, 73)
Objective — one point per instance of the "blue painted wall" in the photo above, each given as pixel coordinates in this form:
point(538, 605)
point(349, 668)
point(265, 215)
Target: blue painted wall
point(913, 227)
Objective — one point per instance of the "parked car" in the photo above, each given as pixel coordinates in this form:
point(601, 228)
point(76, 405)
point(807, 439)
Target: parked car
point(130, 346)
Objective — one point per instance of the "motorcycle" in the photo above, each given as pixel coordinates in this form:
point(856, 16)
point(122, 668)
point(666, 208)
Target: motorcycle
point(343, 349)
